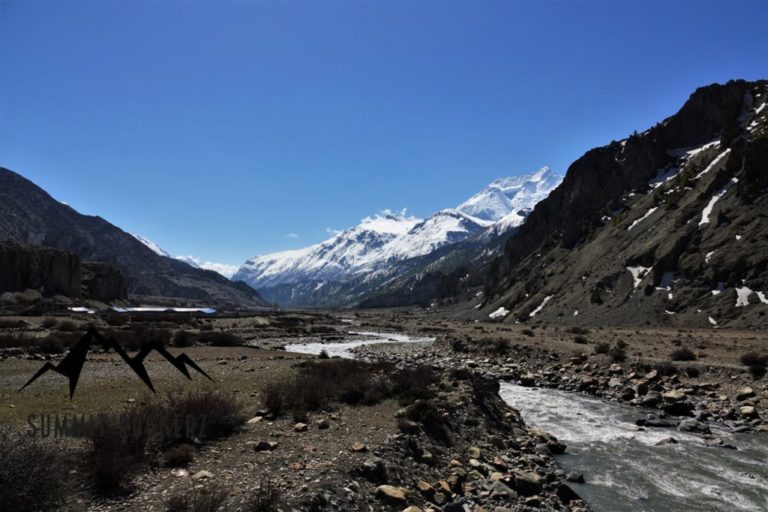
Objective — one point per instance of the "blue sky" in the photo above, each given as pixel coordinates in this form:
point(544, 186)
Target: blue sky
point(218, 128)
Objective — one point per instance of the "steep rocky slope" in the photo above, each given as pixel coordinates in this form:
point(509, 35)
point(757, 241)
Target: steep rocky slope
point(666, 227)
point(30, 216)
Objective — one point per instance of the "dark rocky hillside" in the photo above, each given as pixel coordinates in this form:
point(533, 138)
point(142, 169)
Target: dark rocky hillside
point(669, 226)
point(31, 216)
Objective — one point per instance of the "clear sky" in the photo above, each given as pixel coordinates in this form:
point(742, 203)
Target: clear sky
point(218, 129)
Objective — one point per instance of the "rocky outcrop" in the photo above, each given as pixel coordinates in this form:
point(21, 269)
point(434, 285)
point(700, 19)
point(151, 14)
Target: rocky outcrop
point(103, 282)
point(49, 270)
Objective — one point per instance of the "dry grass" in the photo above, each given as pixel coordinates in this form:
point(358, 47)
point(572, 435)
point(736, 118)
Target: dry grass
point(32, 475)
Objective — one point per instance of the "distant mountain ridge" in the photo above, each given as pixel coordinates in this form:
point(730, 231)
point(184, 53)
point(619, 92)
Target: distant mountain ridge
point(350, 265)
point(31, 216)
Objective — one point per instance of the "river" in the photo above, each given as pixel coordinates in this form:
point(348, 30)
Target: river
point(624, 469)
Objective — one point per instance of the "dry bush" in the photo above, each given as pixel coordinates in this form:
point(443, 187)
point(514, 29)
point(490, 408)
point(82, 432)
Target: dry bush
point(602, 348)
point(318, 384)
point(180, 455)
point(67, 326)
point(618, 354)
point(49, 323)
point(221, 411)
point(220, 339)
point(683, 354)
point(32, 475)
point(207, 499)
point(118, 446)
point(265, 499)
point(754, 359)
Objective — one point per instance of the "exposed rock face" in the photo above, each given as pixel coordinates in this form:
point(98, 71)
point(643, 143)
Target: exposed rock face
point(29, 215)
point(55, 272)
point(103, 282)
point(668, 226)
point(51, 270)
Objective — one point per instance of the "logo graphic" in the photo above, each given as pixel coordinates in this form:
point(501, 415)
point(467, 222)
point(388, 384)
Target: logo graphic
point(72, 364)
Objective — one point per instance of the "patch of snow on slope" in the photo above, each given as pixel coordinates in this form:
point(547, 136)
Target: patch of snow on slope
point(720, 288)
point(708, 256)
point(151, 245)
point(499, 313)
point(540, 306)
point(762, 297)
point(712, 321)
point(742, 296)
point(641, 219)
point(714, 163)
point(638, 273)
point(715, 198)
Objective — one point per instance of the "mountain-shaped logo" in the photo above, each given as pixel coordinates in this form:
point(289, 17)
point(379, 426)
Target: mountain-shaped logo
point(73, 362)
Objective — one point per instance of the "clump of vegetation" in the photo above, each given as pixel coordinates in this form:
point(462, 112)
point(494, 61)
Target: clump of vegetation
point(48, 323)
point(581, 340)
point(500, 346)
point(318, 384)
point(683, 354)
point(221, 411)
point(756, 364)
point(602, 348)
point(618, 354)
point(32, 474)
point(220, 339)
point(184, 338)
point(68, 326)
point(264, 499)
point(180, 455)
point(578, 331)
point(118, 446)
point(207, 499)
point(528, 332)
point(323, 355)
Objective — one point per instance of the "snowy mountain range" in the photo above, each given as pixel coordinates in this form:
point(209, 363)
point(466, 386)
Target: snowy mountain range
point(379, 244)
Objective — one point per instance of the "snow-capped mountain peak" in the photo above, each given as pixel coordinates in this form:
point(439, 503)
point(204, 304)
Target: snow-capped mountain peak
point(505, 196)
point(379, 242)
point(222, 268)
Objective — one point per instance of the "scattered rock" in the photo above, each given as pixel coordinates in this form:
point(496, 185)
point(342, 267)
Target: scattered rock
point(391, 494)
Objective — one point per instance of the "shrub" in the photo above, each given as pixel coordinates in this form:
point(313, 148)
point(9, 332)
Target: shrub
point(323, 355)
point(757, 371)
point(683, 354)
point(118, 445)
point(754, 359)
point(528, 332)
point(180, 455)
point(207, 499)
point(184, 338)
point(692, 372)
point(48, 323)
point(618, 354)
point(602, 348)
point(581, 340)
point(67, 326)
point(32, 474)
point(116, 319)
point(318, 384)
point(221, 411)
point(428, 415)
point(265, 499)
point(220, 339)
point(578, 330)
point(666, 369)
point(500, 346)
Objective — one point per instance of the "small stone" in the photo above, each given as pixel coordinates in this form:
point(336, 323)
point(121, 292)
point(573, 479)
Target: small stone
point(322, 424)
point(264, 446)
point(425, 487)
point(744, 393)
point(358, 447)
point(391, 494)
point(575, 476)
point(668, 440)
point(300, 427)
point(748, 411)
point(254, 420)
point(413, 509)
point(202, 474)
point(473, 452)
